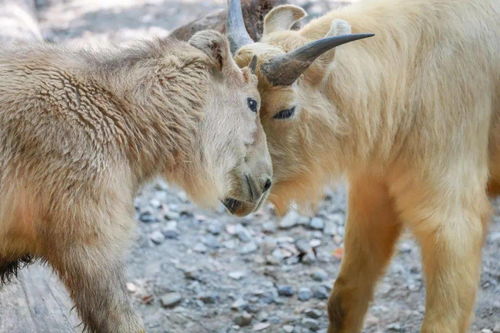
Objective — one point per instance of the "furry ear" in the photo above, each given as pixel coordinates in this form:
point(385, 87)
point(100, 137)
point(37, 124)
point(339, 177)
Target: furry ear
point(339, 27)
point(282, 18)
point(215, 45)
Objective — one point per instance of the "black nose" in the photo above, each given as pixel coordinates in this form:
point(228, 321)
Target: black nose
point(267, 185)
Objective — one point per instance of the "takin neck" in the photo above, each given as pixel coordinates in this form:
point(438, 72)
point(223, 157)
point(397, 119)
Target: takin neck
point(160, 90)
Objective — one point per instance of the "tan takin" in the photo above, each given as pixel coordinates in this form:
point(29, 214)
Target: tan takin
point(410, 116)
point(80, 132)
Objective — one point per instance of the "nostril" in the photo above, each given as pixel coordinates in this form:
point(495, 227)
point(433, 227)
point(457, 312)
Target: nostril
point(267, 184)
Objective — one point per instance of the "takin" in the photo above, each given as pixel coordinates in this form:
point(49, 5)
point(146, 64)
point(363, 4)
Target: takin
point(410, 117)
point(81, 131)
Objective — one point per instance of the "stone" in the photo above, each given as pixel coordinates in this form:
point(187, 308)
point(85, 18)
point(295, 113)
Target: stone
point(157, 237)
point(243, 319)
point(239, 304)
point(236, 275)
point(320, 292)
point(260, 326)
point(208, 299)
point(170, 300)
point(171, 234)
point(289, 221)
point(243, 234)
point(319, 275)
point(313, 313)
point(310, 323)
point(248, 248)
point(496, 329)
point(147, 217)
point(215, 228)
point(200, 248)
point(288, 328)
point(285, 291)
point(304, 294)
point(316, 223)
point(211, 242)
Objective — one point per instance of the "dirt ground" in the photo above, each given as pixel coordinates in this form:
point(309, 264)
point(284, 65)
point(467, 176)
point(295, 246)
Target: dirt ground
point(193, 271)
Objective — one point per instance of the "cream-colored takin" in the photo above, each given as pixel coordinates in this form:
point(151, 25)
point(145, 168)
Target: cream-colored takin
point(410, 116)
point(80, 132)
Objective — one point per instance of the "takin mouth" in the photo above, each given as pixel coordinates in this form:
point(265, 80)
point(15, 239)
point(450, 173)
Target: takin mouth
point(232, 204)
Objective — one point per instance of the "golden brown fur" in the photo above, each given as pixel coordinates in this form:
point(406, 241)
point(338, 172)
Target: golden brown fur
point(412, 118)
point(81, 131)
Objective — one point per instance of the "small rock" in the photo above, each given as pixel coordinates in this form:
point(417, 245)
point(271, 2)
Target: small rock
point(243, 319)
point(131, 287)
point(239, 304)
point(486, 330)
point(319, 275)
point(147, 217)
point(269, 227)
point(311, 324)
point(243, 233)
point(394, 327)
point(248, 248)
point(313, 313)
point(200, 248)
point(496, 329)
point(170, 300)
point(260, 326)
point(288, 328)
point(215, 228)
point(320, 292)
point(208, 299)
point(285, 291)
point(170, 234)
point(330, 228)
point(316, 223)
point(211, 242)
point(237, 275)
point(290, 220)
point(157, 237)
point(304, 294)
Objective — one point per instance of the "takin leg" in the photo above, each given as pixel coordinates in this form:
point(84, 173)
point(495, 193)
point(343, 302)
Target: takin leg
point(92, 270)
point(450, 230)
point(372, 230)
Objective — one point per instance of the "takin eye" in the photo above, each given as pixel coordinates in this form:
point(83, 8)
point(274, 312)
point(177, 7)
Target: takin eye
point(283, 114)
point(252, 104)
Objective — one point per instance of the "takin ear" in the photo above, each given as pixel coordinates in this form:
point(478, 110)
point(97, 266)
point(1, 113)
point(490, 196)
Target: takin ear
point(282, 18)
point(339, 27)
point(215, 46)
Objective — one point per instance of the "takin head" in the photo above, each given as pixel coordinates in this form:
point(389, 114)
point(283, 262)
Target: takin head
point(235, 161)
point(295, 114)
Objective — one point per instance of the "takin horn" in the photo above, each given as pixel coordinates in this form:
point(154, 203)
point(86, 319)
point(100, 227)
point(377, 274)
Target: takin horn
point(284, 69)
point(235, 26)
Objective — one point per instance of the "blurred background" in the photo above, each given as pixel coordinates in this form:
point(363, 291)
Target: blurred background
point(193, 271)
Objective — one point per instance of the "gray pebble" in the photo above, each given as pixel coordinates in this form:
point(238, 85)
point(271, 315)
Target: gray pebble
point(171, 234)
point(304, 294)
point(321, 292)
point(243, 233)
point(311, 324)
point(215, 228)
point(208, 299)
point(200, 248)
point(157, 237)
point(170, 300)
point(285, 291)
point(243, 319)
point(147, 217)
point(248, 248)
point(313, 313)
point(319, 275)
point(316, 223)
point(290, 220)
point(239, 304)
point(211, 242)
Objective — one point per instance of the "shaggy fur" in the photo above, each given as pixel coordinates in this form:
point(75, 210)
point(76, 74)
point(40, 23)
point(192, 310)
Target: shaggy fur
point(82, 131)
point(412, 118)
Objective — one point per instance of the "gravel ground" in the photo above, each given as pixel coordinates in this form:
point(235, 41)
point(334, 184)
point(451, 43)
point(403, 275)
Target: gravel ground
point(196, 271)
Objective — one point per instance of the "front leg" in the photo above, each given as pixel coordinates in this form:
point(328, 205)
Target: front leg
point(371, 231)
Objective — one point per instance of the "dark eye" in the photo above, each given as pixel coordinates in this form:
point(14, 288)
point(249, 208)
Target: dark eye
point(252, 104)
point(283, 114)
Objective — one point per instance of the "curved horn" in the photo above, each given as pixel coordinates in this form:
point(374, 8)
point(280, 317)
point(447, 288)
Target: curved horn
point(284, 69)
point(235, 26)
